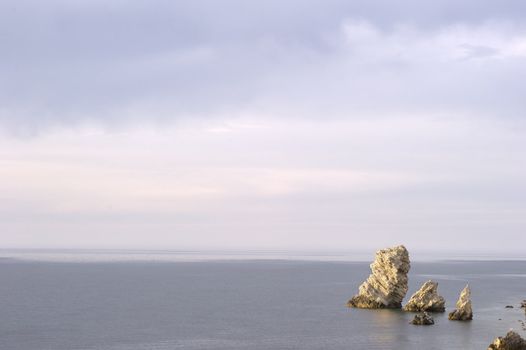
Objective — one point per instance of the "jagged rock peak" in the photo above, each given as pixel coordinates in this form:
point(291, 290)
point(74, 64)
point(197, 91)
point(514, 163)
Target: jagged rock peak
point(387, 285)
point(426, 299)
point(512, 341)
point(463, 312)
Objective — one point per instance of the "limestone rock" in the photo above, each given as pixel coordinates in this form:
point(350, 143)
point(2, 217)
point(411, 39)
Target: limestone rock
point(423, 319)
point(426, 299)
point(512, 341)
point(463, 311)
point(387, 286)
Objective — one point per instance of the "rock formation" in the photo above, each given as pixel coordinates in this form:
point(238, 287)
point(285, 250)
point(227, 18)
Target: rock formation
point(512, 341)
point(426, 299)
point(523, 304)
point(423, 319)
point(463, 311)
point(387, 286)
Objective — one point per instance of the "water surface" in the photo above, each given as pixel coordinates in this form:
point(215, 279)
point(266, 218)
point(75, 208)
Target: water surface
point(240, 304)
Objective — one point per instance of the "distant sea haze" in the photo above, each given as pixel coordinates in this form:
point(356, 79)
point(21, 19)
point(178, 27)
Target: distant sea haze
point(109, 255)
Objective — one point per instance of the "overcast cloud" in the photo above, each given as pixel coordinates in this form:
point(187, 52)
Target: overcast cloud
point(269, 124)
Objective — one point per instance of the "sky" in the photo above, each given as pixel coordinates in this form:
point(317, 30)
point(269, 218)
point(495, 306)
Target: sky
point(233, 124)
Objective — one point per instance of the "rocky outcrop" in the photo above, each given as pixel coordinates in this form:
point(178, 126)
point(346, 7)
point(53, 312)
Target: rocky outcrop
point(512, 341)
point(463, 311)
point(426, 299)
point(423, 319)
point(387, 286)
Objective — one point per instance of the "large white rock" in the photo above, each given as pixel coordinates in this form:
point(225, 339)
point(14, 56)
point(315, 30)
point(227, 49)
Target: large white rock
point(387, 286)
point(426, 299)
point(463, 312)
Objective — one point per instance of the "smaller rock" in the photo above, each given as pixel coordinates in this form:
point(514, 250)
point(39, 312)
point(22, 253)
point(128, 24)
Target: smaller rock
point(509, 306)
point(423, 319)
point(426, 299)
point(463, 312)
point(512, 341)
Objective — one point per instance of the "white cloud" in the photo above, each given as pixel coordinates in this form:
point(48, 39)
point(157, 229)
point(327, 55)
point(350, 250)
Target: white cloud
point(447, 44)
point(298, 123)
point(274, 183)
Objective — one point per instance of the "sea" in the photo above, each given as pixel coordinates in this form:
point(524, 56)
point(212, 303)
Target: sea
point(144, 300)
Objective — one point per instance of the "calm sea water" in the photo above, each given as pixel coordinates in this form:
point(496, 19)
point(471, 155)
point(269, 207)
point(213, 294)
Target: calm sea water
point(240, 304)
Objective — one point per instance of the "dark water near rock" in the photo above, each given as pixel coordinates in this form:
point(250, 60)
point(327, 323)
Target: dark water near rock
point(241, 305)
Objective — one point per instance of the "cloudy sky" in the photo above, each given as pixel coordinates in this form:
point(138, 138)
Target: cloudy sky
point(271, 124)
